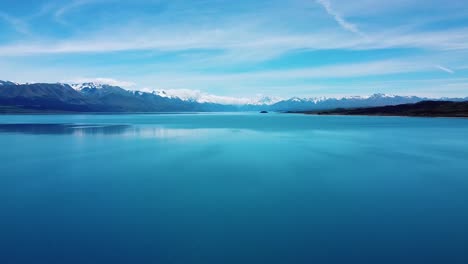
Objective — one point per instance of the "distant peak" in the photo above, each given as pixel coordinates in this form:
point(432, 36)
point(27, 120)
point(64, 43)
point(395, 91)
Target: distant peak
point(266, 100)
point(88, 85)
point(382, 95)
point(163, 93)
point(314, 100)
point(296, 99)
point(7, 83)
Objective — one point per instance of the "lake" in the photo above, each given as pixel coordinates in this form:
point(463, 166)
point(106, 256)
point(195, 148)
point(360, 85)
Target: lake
point(233, 188)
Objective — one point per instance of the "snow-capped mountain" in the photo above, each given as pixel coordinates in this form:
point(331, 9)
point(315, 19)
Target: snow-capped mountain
point(87, 85)
point(202, 97)
point(98, 96)
point(7, 83)
point(318, 103)
point(165, 94)
point(266, 100)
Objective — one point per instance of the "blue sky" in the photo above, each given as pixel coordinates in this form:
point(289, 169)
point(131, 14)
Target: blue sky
point(241, 48)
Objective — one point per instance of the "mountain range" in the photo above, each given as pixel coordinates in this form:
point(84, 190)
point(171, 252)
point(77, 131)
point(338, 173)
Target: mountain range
point(97, 97)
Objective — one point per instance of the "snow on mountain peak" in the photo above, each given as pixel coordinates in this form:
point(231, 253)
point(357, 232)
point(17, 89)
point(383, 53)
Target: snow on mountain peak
point(89, 85)
point(314, 100)
point(7, 83)
point(97, 83)
point(382, 95)
point(203, 97)
point(163, 93)
point(265, 100)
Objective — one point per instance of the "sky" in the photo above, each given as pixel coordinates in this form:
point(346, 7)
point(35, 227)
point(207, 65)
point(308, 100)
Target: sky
point(242, 48)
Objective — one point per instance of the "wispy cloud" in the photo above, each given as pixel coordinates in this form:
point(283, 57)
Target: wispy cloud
point(302, 80)
point(338, 18)
point(17, 24)
point(245, 82)
point(249, 43)
point(347, 70)
point(445, 69)
point(61, 11)
point(236, 42)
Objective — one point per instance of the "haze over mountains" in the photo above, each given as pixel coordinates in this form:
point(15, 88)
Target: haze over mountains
point(98, 97)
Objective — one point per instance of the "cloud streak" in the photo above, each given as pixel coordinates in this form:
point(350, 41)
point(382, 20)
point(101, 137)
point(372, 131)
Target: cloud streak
point(18, 24)
point(445, 69)
point(242, 42)
point(338, 18)
point(349, 70)
point(63, 10)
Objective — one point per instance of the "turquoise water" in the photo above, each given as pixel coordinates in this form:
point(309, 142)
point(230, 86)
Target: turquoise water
point(233, 188)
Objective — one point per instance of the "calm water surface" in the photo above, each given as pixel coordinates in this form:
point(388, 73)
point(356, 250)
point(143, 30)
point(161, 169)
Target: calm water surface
point(233, 188)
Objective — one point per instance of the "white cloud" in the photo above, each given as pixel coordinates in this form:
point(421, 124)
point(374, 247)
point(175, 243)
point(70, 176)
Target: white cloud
point(349, 70)
point(63, 10)
point(445, 69)
point(18, 24)
point(188, 83)
point(236, 45)
point(338, 18)
point(251, 40)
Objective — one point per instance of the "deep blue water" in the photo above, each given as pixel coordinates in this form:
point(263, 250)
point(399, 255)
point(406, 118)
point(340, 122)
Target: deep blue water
point(233, 188)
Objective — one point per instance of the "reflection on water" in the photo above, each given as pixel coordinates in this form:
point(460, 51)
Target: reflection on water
point(98, 129)
point(166, 133)
point(79, 129)
point(232, 189)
